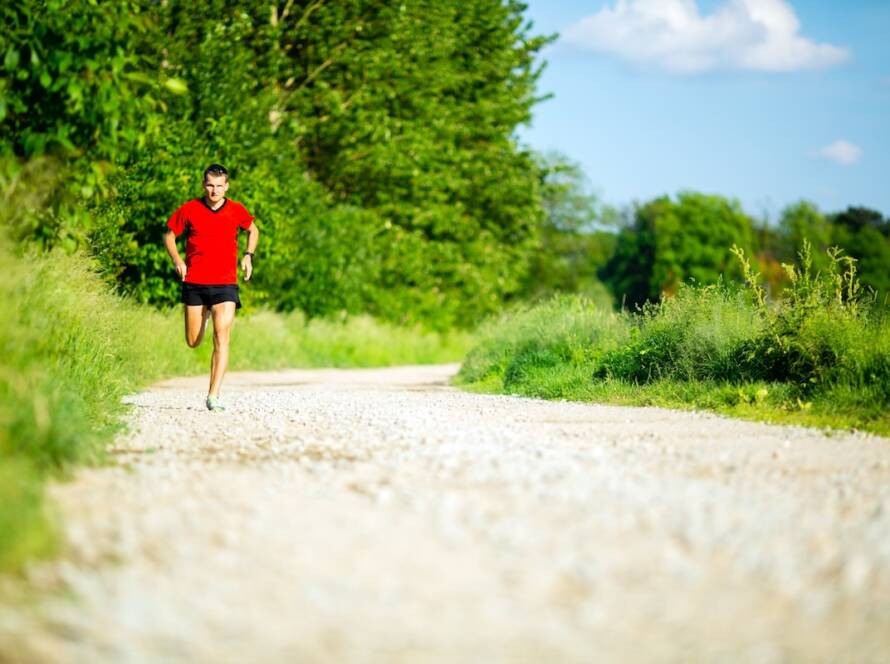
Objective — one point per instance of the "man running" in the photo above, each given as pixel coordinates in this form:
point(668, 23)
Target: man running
point(209, 272)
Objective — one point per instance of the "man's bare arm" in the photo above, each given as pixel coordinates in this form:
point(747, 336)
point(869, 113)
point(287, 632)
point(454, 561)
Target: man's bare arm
point(170, 245)
point(253, 236)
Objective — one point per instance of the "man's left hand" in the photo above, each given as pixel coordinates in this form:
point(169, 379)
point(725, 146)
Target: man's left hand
point(247, 267)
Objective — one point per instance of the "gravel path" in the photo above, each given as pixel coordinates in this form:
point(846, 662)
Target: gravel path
point(381, 516)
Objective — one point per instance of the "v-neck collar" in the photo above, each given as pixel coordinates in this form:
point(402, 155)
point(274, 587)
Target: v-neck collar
point(207, 205)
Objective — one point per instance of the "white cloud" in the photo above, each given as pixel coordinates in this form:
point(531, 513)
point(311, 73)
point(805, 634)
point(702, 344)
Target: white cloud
point(841, 152)
point(761, 35)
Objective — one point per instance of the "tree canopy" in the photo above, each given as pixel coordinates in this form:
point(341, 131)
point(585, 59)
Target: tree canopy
point(673, 241)
point(374, 141)
point(574, 237)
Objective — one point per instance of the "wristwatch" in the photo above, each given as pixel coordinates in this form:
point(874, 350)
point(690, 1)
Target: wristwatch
point(249, 253)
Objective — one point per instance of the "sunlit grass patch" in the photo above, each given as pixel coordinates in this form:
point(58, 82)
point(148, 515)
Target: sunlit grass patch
point(268, 340)
point(567, 329)
point(26, 531)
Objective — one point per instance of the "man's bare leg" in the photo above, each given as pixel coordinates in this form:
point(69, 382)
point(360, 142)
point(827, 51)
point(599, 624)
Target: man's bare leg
point(196, 318)
point(223, 319)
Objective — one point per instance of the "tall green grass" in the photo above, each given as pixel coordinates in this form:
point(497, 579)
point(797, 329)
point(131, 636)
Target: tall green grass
point(270, 340)
point(70, 349)
point(820, 355)
point(567, 333)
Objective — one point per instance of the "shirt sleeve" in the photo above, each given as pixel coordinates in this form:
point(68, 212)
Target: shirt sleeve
point(177, 222)
point(245, 219)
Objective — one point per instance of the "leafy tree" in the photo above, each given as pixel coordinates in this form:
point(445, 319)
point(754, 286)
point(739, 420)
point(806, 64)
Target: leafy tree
point(672, 242)
point(573, 245)
point(865, 235)
point(856, 219)
point(371, 139)
point(314, 253)
point(79, 89)
point(408, 110)
point(566, 195)
point(628, 273)
point(802, 222)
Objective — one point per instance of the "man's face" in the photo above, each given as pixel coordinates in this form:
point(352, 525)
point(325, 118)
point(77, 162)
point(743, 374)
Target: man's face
point(216, 186)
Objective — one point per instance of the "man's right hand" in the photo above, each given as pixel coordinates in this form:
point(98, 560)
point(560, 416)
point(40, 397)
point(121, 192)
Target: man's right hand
point(181, 269)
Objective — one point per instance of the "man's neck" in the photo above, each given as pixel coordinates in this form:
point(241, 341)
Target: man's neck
point(212, 206)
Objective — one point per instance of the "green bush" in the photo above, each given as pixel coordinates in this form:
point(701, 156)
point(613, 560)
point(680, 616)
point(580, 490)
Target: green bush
point(563, 330)
point(25, 526)
point(66, 357)
point(672, 242)
point(692, 336)
point(824, 332)
point(820, 356)
point(821, 334)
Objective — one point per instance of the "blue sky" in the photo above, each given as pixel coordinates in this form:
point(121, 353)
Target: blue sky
point(766, 101)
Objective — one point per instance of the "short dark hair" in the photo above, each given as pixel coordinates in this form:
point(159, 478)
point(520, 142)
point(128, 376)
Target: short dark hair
point(215, 170)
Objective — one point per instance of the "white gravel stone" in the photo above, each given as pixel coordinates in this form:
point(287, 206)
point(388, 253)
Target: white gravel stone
point(380, 516)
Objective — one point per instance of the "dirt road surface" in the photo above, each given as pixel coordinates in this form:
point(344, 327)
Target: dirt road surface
point(382, 516)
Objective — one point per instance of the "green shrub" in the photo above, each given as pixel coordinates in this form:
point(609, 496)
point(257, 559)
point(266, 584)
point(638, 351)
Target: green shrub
point(824, 332)
point(25, 527)
point(63, 367)
point(692, 336)
point(820, 334)
point(565, 329)
point(819, 356)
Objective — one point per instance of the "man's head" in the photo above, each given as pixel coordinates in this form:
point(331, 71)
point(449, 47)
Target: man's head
point(216, 183)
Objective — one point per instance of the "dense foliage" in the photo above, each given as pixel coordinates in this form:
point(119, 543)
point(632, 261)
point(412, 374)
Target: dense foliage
point(407, 110)
point(820, 356)
point(672, 242)
point(373, 141)
point(666, 243)
point(574, 238)
point(77, 90)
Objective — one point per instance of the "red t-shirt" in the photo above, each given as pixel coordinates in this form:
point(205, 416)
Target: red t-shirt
point(211, 251)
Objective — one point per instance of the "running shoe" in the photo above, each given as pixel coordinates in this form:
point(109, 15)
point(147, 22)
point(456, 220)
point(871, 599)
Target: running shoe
point(215, 404)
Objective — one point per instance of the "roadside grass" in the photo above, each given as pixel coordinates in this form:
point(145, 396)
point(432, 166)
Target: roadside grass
point(70, 349)
point(566, 332)
point(264, 340)
point(818, 357)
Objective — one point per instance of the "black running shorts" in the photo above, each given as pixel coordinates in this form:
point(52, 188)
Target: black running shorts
point(195, 295)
